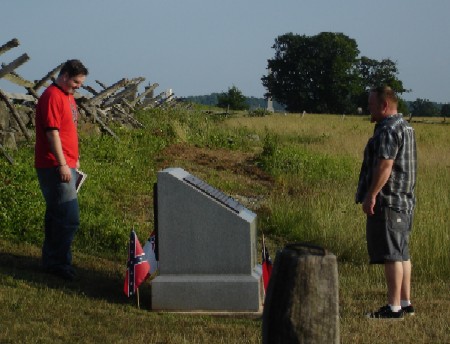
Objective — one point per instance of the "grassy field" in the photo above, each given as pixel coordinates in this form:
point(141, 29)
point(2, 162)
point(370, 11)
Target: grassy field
point(298, 173)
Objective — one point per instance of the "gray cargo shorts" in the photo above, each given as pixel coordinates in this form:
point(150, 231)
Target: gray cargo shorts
point(387, 234)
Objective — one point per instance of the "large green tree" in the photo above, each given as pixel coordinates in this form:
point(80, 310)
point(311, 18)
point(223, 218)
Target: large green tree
point(313, 73)
point(233, 99)
point(323, 73)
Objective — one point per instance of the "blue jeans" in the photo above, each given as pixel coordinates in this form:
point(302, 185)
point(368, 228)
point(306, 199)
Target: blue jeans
point(62, 218)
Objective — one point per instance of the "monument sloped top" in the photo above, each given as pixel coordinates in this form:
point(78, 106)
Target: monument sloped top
point(219, 196)
point(214, 193)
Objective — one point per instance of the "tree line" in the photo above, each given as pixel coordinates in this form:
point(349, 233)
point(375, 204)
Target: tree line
point(425, 108)
point(417, 108)
point(233, 99)
point(323, 74)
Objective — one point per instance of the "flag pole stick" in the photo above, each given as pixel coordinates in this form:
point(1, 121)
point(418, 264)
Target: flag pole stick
point(137, 295)
point(263, 245)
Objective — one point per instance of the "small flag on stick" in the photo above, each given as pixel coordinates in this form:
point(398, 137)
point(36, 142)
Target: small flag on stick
point(266, 264)
point(149, 250)
point(137, 266)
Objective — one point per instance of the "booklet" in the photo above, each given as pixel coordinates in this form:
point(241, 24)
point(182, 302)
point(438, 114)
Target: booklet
point(81, 177)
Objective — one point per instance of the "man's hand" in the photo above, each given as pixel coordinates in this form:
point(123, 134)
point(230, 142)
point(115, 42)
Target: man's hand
point(381, 174)
point(65, 173)
point(54, 142)
point(368, 205)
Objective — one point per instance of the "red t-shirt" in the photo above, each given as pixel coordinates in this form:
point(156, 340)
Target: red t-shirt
point(56, 109)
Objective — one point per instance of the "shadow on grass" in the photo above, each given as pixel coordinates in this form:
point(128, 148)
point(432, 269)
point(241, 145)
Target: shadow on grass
point(97, 284)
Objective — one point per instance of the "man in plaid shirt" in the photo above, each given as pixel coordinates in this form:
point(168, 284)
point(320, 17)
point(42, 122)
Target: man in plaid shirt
point(386, 191)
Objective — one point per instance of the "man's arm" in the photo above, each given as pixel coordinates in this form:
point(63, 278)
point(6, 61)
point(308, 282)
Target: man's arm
point(381, 175)
point(56, 148)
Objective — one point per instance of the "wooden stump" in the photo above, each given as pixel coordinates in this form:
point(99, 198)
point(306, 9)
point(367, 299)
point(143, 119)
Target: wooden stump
point(302, 303)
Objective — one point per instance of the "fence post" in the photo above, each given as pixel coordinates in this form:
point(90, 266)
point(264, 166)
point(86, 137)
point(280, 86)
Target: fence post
point(302, 303)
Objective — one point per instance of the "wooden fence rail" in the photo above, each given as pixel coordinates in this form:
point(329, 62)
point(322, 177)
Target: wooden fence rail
point(117, 102)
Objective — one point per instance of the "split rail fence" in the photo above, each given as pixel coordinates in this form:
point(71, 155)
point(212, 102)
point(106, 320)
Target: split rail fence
point(115, 103)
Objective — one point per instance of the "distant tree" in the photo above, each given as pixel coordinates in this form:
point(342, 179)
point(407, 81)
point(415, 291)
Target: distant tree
point(423, 108)
point(313, 73)
point(445, 110)
point(233, 99)
point(256, 103)
point(209, 99)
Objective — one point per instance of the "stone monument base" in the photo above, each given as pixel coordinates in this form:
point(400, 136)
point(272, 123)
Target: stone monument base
point(216, 293)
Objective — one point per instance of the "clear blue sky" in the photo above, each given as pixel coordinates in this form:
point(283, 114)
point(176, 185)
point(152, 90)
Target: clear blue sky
point(197, 47)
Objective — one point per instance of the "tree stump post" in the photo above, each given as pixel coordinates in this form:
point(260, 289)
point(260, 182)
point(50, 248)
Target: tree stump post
point(302, 303)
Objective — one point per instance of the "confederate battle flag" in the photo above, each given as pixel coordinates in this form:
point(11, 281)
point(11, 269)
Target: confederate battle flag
point(137, 266)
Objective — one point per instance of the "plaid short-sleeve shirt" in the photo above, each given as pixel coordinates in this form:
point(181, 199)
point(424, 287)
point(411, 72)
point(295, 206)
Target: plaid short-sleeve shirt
point(394, 139)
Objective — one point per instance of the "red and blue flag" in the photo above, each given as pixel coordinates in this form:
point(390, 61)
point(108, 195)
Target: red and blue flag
point(138, 267)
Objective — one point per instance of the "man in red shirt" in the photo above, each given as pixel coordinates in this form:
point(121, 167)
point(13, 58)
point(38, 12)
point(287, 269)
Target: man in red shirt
point(56, 161)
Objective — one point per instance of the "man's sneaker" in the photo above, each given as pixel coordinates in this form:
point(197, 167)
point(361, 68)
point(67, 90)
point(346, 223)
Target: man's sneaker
point(385, 312)
point(66, 274)
point(408, 310)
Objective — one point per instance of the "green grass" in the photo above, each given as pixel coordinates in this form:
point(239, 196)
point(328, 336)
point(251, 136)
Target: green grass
point(38, 308)
point(314, 164)
point(318, 180)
